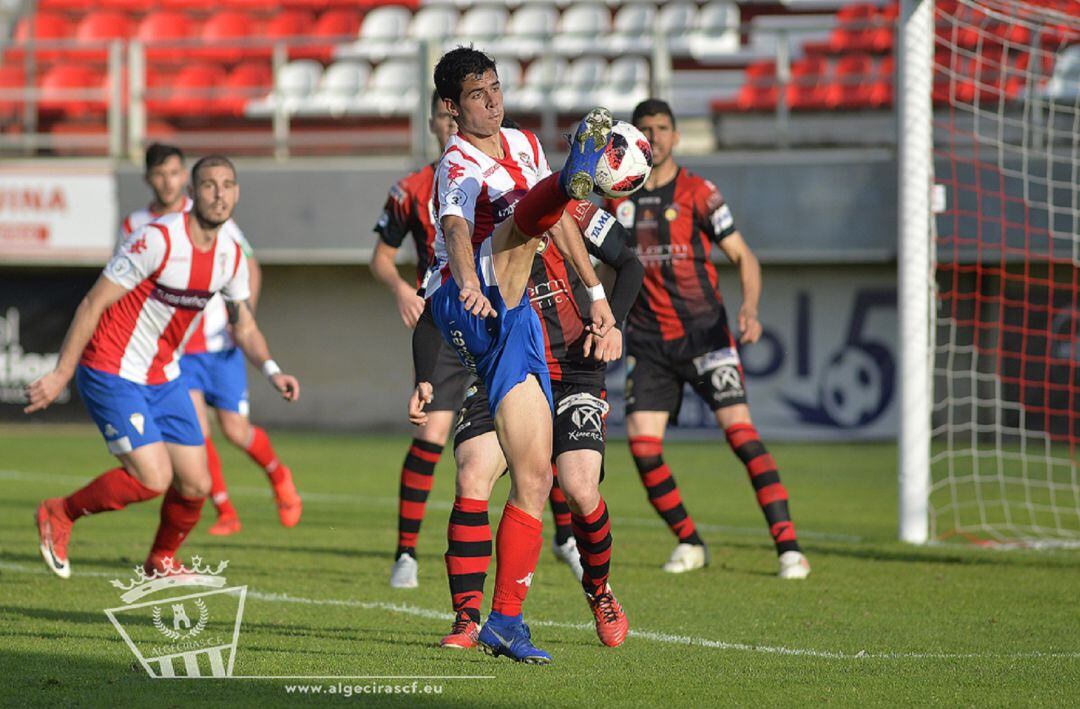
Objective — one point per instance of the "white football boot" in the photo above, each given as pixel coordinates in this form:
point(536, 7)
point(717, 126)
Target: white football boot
point(403, 574)
point(687, 557)
point(793, 565)
point(568, 554)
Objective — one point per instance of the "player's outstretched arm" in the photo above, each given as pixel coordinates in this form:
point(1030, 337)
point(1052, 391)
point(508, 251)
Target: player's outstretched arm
point(384, 268)
point(739, 253)
point(251, 341)
point(254, 281)
point(457, 233)
point(44, 390)
point(567, 237)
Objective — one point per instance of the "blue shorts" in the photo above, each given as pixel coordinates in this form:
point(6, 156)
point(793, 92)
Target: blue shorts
point(220, 376)
point(503, 350)
point(132, 415)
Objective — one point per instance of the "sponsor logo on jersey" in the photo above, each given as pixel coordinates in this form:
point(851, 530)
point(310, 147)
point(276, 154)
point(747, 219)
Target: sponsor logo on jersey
point(625, 214)
point(671, 213)
point(721, 219)
point(182, 299)
point(599, 227)
point(454, 171)
point(398, 193)
point(138, 246)
point(587, 413)
point(456, 197)
point(491, 170)
point(662, 253)
point(549, 293)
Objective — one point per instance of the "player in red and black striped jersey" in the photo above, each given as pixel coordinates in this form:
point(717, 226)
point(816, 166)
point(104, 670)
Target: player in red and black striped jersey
point(677, 334)
point(410, 211)
point(577, 362)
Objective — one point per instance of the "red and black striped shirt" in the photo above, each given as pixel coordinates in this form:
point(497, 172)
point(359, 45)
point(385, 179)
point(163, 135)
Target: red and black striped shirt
point(559, 295)
point(672, 230)
point(409, 209)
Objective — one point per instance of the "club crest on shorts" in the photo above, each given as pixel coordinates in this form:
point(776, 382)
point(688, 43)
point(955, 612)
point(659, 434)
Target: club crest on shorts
point(138, 421)
point(180, 634)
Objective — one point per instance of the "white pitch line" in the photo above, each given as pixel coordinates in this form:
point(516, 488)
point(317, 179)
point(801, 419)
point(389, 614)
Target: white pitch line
point(666, 638)
point(345, 499)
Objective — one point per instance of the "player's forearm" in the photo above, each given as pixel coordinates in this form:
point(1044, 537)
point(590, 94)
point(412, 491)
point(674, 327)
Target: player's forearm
point(252, 343)
point(629, 275)
point(750, 278)
point(460, 254)
point(385, 271)
point(568, 239)
point(254, 281)
point(82, 327)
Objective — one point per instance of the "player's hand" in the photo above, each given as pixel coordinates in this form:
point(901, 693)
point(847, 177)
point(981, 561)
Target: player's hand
point(749, 327)
point(409, 306)
point(287, 385)
point(601, 317)
point(43, 391)
point(607, 348)
point(421, 396)
point(476, 302)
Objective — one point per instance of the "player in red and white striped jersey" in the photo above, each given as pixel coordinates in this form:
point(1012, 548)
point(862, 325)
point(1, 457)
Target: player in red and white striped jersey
point(124, 346)
point(213, 367)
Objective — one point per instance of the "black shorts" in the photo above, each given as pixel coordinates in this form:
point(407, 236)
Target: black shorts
point(707, 360)
point(580, 417)
point(436, 362)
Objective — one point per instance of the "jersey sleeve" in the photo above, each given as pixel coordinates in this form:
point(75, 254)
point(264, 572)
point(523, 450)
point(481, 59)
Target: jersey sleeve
point(712, 213)
point(460, 184)
point(245, 245)
point(238, 287)
point(137, 258)
point(393, 223)
point(604, 236)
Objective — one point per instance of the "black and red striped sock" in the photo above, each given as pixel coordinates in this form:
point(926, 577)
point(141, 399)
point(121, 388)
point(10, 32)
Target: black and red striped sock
point(417, 476)
point(772, 497)
point(661, 487)
point(468, 554)
point(560, 510)
point(593, 534)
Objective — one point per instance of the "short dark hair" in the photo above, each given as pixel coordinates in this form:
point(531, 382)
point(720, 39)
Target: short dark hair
point(652, 107)
point(435, 101)
point(158, 153)
point(215, 160)
point(457, 65)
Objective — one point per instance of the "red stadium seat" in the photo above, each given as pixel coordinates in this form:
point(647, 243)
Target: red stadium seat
point(58, 85)
point(103, 25)
point(806, 92)
point(193, 91)
point(337, 23)
point(164, 27)
point(12, 79)
point(249, 80)
point(289, 23)
point(221, 34)
point(851, 86)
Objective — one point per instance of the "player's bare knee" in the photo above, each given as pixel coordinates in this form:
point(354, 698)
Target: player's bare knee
point(732, 415)
point(236, 428)
point(193, 488)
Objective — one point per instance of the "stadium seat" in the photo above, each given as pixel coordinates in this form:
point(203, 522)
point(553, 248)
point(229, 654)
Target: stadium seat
point(340, 89)
point(337, 23)
point(195, 91)
point(760, 92)
point(433, 22)
point(392, 89)
point(509, 74)
point(482, 24)
point(103, 25)
point(853, 78)
point(528, 31)
point(807, 92)
point(1064, 84)
point(247, 80)
point(580, 27)
point(716, 32)
point(165, 26)
point(383, 30)
point(676, 20)
point(583, 80)
point(295, 82)
point(220, 35)
point(626, 84)
point(289, 23)
point(633, 27)
point(40, 27)
point(541, 77)
point(12, 78)
point(63, 90)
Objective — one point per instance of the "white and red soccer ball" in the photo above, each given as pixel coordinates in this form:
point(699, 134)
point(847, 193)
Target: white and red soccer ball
point(626, 163)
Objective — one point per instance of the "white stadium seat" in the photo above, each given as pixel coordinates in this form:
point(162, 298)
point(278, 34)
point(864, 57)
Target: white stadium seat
point(482, 23)
point(581, 27)
point(626, 84)
point(581, 84)
point(633, 28)
point(434, 22)
point(676, 20)
point(716, 32)
point(528, 30)
point(541, 76)
point(295, 83)
point(342, 85)
point(392, 89)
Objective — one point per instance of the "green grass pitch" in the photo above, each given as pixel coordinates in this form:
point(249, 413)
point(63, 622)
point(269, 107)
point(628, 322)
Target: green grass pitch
point(877, 623)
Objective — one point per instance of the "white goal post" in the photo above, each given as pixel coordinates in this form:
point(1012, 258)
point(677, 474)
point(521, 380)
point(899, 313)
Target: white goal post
point(988, 101)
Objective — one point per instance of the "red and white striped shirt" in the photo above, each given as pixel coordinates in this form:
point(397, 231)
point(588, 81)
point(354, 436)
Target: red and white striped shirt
point(211, 333)
point(473, 185)
point(170, 282)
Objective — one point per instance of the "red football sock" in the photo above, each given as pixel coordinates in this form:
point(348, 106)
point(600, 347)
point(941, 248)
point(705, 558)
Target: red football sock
point(771, 494)
point(648, 452)
point(263, 453)
point(218, 492)
point(541, 207)
point(179, 515)
point(417, 477)
point(593, 534)
point(112, 490)
point(468, 554)
point(517, 546)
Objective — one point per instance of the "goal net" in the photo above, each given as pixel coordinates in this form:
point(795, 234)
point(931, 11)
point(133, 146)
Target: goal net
point(1005, 253)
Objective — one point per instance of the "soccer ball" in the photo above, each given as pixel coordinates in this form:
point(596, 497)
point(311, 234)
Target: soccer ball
point(626, 162)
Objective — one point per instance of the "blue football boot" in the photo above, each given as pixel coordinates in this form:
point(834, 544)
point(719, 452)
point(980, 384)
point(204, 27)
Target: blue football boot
point(586, 148)
point(506, 635)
